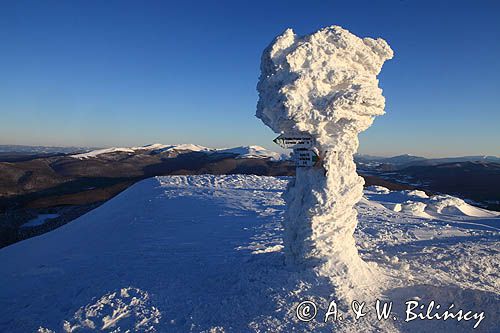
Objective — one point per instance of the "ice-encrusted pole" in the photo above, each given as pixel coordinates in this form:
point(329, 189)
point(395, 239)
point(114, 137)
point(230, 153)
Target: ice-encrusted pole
point(325, 85)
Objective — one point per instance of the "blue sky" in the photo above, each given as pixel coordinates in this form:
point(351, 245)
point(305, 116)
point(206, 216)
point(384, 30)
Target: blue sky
point(122, 73)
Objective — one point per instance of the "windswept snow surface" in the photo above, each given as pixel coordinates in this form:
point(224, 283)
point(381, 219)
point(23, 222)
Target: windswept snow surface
point(204, 254)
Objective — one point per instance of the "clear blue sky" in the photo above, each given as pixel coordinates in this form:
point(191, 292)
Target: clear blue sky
point(121, 73)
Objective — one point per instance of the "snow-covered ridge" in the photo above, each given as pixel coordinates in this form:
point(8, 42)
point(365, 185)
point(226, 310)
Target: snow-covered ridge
point(156, 147)
point(241, 152)
point(98, 152)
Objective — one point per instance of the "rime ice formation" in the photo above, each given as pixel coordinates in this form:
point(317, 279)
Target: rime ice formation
point(324, 84)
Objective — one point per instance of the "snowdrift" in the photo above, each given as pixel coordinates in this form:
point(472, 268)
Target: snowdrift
point(417, 203)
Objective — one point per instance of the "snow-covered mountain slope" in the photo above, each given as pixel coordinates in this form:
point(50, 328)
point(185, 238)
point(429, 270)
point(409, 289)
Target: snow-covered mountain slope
point(179, 148)
point(156, 147)
point(241, 152)
point(204, 254)
point(253, 152)
point(94, 153)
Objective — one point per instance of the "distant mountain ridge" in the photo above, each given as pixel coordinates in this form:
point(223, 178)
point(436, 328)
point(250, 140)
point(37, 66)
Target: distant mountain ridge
point(42, 149)
point(407, 160)
point(157, 148)
point(473, 177)
point(403, 160)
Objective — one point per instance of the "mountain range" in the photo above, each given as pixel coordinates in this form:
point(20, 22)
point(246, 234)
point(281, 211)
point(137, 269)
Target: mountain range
point(406, 160)
point(64, 184)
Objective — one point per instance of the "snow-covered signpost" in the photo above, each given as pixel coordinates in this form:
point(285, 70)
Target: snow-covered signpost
point(323, 86)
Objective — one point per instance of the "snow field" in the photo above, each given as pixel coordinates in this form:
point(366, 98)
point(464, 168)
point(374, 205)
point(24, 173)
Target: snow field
point(204, 254)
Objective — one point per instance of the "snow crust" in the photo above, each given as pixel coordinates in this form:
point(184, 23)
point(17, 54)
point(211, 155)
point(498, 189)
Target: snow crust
point(324, 84)
point(124, 310)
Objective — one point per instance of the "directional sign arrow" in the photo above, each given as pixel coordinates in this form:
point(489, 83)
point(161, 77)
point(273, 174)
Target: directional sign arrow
point(300, 141)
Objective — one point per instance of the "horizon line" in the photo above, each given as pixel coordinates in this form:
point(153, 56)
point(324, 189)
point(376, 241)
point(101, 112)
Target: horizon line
point(385, 155)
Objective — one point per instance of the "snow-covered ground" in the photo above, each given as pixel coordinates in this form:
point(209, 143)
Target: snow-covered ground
point(204, 254)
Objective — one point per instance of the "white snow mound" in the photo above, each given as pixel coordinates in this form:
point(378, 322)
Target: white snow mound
point(417, 203)
point(417, 193)
point(449, 205)
point(378, 189)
